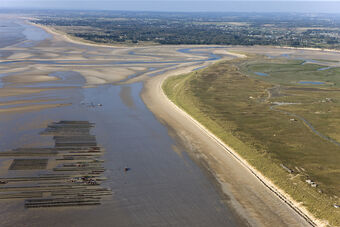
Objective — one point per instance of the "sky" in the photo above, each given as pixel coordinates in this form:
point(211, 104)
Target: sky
point(180, 6)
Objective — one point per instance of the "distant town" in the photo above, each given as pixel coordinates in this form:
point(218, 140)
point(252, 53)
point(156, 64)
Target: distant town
point(279, 29)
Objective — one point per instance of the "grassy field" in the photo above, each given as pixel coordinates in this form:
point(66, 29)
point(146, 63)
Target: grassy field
point(242, 109)
point(291, 72)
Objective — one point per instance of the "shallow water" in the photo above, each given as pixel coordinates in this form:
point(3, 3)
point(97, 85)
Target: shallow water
point(2, 75)
point(261, 74)
point(211, 57)
point(10, 33)
point(65, 79)
point(165, 187)
point(34, 33)
point(311, 82)
point(292, 57)
point(325, 68)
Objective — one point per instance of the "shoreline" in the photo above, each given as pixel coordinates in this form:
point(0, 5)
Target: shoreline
point(284, 197)
point(161, 95)
point(167, 187)
point(80, 41)
point(65, 36)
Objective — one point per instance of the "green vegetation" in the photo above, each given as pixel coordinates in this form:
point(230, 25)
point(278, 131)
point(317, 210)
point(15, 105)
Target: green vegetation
point(239, 107)
point(280, 29)
point(290, 72)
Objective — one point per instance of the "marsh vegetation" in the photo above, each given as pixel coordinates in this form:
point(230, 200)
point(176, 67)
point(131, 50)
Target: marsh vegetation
point(287, 130)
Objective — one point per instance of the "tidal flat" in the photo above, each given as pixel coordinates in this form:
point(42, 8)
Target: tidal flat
point(155, 177)
point(51, 80)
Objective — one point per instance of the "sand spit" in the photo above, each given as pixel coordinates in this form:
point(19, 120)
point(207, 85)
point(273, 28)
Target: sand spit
point(58, 34)
point(31, 107)
point(6, 92)
point(28, 78)
point(16, 102)
point(253, 195)
point(254, 215)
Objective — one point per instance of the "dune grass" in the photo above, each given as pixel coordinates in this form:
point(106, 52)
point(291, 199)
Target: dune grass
point(237, 108)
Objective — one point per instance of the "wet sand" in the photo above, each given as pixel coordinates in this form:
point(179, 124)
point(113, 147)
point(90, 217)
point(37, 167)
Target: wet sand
point(179, 176)
point(50, 80)
point(249, 196)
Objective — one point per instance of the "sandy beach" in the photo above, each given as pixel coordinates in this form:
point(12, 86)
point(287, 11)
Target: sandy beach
point(104, 84)
point(261, 203)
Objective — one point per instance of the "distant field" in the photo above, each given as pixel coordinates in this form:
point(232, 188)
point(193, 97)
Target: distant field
point(256, 116)
point(146, 28)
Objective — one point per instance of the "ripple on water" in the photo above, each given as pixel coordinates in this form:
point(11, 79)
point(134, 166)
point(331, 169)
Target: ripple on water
point(311, 82)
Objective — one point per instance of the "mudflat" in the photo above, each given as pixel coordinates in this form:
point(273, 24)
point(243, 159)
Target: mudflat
point(127, 170)
point(161, 171)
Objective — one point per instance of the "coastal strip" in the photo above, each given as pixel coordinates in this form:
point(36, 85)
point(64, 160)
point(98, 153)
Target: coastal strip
point(241, 185)
point(191, 130)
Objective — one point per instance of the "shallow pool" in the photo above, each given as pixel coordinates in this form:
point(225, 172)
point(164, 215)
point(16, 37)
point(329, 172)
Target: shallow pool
point(261, 74)
point(311, 82)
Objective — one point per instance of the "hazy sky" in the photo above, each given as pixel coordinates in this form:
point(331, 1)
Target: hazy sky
point(181, 6)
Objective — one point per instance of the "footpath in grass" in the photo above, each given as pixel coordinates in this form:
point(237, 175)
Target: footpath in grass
point(237, 106)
